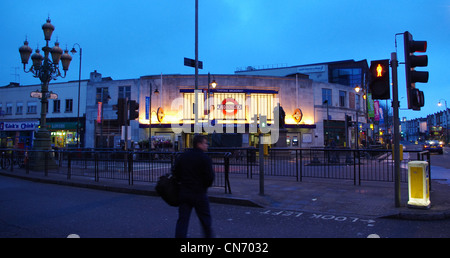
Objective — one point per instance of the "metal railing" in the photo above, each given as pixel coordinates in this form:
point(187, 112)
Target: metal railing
point(350, 164)
point(140, 166)
point(117, 165)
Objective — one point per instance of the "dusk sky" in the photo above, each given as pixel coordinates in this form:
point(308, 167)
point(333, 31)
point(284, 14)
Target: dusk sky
point(129, 39)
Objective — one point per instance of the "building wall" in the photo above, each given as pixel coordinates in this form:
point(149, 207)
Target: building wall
point(64, 121)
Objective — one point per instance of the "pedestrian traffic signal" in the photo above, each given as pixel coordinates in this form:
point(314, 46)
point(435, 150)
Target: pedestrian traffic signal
point(134, 110)
point(379, 82)
point(416, 98)
point(121, 108)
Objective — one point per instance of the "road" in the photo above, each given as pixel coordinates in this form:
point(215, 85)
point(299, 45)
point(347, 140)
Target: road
point(440, 165)
point(30, 209)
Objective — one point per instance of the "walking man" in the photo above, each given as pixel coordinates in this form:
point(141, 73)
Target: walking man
point(193, 170)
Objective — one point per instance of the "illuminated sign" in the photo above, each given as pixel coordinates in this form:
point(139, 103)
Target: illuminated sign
point(19, 126)
point(229, 107)
point(298, 115)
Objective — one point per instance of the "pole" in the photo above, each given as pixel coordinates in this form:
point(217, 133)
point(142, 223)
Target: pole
point(207, 96)
point(78, 107)
point(196, 68)
point(357, 130)
point(261, 165)
point(396, 105)
point(150, 118)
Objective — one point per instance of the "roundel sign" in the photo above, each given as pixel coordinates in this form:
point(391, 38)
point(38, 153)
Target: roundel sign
point(298, 115)
point(229, 107)
point(160, 114)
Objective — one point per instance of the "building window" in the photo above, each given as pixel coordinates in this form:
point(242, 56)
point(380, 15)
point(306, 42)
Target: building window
point(125, 92)
point(326, 97)
point(69, 105)
point(342, 98)
point(102, 95)
point(31, 108)
point(347, 76)
point(56, 106)
point(19, 108)
point(9, 108)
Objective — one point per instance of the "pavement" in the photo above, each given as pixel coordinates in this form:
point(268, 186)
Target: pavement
point(324, 196)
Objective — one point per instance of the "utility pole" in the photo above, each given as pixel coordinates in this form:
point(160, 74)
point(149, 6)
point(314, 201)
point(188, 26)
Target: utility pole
point(396, 106)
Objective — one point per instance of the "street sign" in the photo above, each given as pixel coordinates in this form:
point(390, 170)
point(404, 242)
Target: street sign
point(38, 95)
point(191, 63)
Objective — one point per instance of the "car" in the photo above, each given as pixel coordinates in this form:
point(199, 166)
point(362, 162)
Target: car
point(434, 146)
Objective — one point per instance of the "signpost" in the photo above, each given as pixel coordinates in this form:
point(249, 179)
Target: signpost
point(38, 95)
point(191, 63)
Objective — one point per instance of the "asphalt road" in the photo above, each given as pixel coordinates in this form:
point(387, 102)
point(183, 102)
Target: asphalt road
point(30, 209)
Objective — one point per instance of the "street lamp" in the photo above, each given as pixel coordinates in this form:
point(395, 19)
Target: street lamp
point(212, 84)
point(156, 93)
point(74, 51)
point(357, 89)
point(45, 69)
point(446, 118)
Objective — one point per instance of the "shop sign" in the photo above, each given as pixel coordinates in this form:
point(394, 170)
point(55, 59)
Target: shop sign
point(61, 125)
point(19, 126)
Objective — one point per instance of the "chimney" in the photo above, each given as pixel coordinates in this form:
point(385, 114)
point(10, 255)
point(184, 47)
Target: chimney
point(95, 77)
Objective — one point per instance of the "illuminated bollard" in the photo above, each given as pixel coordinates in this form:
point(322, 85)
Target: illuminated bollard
point(418, 185)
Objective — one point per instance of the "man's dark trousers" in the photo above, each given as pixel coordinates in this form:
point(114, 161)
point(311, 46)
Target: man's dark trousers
point(200, 202)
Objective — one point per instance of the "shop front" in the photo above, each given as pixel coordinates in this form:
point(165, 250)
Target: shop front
point(232, 114)
point(17, 134)
point(64, 133)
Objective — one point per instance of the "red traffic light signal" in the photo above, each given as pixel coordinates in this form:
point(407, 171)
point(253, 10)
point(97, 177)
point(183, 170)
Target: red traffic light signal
point(379, 82)
point(416, 98)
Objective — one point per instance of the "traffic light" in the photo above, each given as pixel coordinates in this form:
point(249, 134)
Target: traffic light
point(134, 110)
point(416, 98)
point(121, 108)
point(348, 120)
point(379, 84)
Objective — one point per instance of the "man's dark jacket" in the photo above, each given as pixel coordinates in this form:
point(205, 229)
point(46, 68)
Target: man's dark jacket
point(193, 170)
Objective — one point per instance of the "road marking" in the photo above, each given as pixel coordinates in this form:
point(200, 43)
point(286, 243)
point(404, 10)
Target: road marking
point(317, 216)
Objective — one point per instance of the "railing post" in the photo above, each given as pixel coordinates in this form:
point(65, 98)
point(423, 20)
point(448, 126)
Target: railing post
point(359, 167)
point(27, 163)
point(296, 165)
point(429, 168)
point(130, 168)
point(354, 167)
point(301, 165)
point(96, 166)
point(12, 160)
point(69, 165)
point(46, 157)
point(227, 173)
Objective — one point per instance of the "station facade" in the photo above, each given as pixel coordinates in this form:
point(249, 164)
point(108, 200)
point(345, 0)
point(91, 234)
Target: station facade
point(298, 104)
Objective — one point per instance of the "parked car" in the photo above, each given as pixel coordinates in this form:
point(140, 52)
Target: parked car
point(434, 146)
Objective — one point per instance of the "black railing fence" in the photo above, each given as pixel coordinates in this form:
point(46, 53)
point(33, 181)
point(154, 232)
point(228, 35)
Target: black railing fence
point(351, 164)
point(139, 166)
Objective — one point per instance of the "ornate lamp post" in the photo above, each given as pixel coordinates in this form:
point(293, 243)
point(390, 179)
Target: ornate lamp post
point(45, 69)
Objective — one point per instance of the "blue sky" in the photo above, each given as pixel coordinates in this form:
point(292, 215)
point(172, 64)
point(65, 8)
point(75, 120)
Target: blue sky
point(129, 39)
